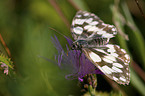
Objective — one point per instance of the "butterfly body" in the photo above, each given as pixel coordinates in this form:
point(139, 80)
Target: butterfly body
point(92, 36)
point(90, 43)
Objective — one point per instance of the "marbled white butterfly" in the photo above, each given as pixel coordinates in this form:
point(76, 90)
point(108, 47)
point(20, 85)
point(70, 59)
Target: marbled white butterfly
point(92, 36)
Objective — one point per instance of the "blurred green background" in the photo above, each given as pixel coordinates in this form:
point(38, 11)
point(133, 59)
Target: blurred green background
point(24, 26)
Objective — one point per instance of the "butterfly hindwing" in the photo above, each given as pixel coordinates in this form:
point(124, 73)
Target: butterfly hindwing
point(88, 25)
point(112, 61)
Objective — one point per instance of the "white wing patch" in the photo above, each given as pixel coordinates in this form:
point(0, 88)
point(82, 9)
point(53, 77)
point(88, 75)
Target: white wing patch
point(107, 35)
point(107, 69)
point(79, 21)
point(114, 54)
point(111, 48)
point(89, 20)
point(107, 60)
point(117, 65)
point(94, 23)
point(100, 32)
point(117, 70)
point(123, 50)
point(100, 50)
point(86, 14)
point(78, 30)
point(95, 57)
point(123, 79)
point(78, 16)
point(110, 57)
point(92, 28)
point(116, 79)
point(127, 56)
point(87, 27)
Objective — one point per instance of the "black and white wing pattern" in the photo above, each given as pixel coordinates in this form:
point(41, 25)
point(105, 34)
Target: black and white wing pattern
point(112, 61)
point(85, 25)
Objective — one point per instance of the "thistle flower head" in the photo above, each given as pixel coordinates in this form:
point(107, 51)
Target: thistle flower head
point(74, 60)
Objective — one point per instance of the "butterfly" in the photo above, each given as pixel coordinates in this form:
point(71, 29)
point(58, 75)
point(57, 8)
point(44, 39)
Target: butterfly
point(92, 36)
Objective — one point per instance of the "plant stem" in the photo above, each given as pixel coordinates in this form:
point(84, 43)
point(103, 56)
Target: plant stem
point(5, 46)
point(91, 90)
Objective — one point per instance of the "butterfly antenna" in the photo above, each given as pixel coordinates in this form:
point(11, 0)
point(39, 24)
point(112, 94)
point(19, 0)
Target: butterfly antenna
point(58, 32)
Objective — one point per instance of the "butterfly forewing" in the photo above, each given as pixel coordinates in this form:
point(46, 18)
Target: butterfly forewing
point(112, 61)
point(88, 25)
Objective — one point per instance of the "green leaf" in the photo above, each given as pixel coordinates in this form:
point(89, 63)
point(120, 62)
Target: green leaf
point(136, 38)
point(137, 83)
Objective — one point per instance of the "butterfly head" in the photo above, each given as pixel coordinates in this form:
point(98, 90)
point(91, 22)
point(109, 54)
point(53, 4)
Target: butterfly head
point(76, 46)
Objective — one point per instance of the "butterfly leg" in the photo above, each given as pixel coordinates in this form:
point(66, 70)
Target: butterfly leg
point(80, 60)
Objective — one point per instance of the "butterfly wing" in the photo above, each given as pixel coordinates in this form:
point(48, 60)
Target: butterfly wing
point(112, 61)
point(88, 25)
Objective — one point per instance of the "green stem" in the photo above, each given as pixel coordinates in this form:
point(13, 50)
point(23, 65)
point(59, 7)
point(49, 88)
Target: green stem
point(91, 90)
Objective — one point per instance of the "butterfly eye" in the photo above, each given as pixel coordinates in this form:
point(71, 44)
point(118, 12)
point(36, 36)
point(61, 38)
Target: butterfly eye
point(73, 46)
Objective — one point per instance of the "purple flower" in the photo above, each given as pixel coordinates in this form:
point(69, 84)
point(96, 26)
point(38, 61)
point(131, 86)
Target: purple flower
point(5, 67)
point(79, 66)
